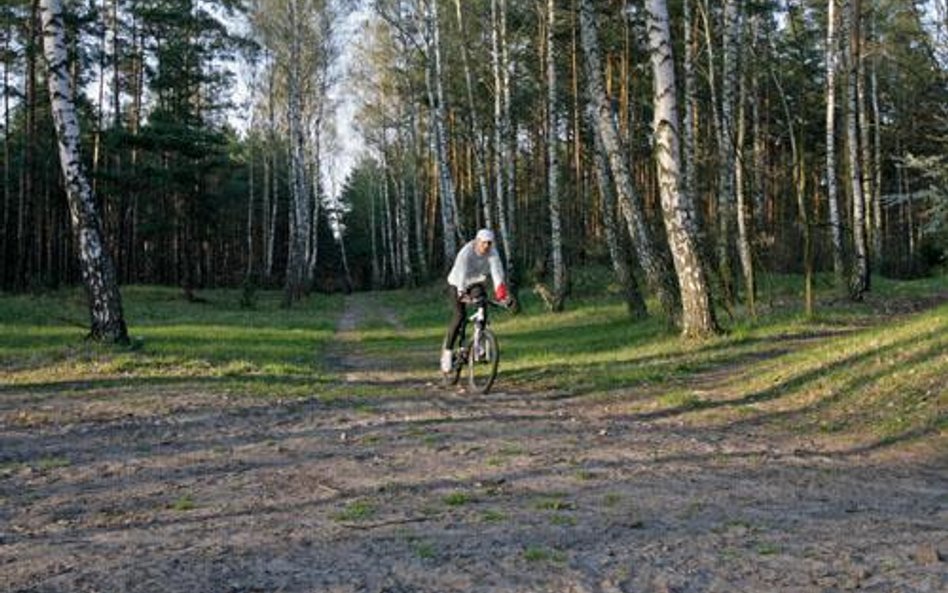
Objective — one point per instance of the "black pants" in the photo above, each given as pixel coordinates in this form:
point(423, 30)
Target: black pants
point(473, 293)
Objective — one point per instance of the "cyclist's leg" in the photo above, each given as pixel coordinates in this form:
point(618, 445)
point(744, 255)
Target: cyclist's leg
point(454, 329)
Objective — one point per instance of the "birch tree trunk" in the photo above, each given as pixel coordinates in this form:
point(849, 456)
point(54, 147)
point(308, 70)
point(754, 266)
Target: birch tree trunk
point(859, 283)
point(832, 194)
point(552, 186)
point(617, 255)
point(654, 262)
point(677, 208)
point(7, 179)
point(98, 273)
point(689, 181)
point(865, 149)
point(877, 164)
point(745, 218)
point(449, 211)
point(474, 126)
point(300, 220)
point(417, 194)
point(510, 159)
point(503, 159)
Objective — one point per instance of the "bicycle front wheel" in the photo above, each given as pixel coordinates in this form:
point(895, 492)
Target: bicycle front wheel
point(482, 362)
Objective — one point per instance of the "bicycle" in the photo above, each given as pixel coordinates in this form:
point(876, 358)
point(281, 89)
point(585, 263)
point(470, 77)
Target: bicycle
point(481, 354)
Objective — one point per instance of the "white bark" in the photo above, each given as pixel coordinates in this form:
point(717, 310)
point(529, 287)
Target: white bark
point(617, 255)
point(552, 188)
point(832, 193)
point(677, 208)
point(474, 125)
point(503, 161)
point(689, 181)
point(98, 272)
point(298, 257)
point(859, 283)
point(449, 210)
point(653, 261)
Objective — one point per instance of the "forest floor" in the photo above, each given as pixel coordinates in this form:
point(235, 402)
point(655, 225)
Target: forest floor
point(392, 484)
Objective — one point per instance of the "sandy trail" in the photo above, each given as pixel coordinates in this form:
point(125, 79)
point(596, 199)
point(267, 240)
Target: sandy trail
point(428, 491)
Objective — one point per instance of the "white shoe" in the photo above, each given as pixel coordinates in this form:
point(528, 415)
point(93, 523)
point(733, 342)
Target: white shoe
point(446, 357)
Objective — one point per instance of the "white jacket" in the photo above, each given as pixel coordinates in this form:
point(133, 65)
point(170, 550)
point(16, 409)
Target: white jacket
point(470, 268)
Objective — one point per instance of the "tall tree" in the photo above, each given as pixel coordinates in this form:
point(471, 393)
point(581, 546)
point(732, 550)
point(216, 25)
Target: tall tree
point(552, 172)
point(832, 194)
point(98, 272)
point(653, 260)
point(859, 283)
point(697, 318)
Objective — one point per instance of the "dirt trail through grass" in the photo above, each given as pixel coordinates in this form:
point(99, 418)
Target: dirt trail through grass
point(394, 485)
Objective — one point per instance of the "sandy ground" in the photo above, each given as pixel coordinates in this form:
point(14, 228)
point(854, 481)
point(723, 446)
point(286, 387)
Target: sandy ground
point(114, 490)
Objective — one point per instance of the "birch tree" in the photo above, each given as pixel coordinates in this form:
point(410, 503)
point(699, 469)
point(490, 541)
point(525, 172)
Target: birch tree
point(450, 217)
point(552, 188)
point(98, 272)
point(652, 259)
point(832, 194)
point(474, 128)
point(859, 283)
point(697, 318)
point(617, 255)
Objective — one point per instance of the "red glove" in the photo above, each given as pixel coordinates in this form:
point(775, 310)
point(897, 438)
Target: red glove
point(501, 293)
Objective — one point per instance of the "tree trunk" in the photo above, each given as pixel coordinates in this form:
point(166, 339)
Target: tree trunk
point(799, 181)
point(745, 218)
point(832, 194)
point(449, 211)
point(417, 194)
point(859, 283)
point(689, 180)
point(677, 208)
point(503, 165)
point(654, 262)
point(474, 126)
point(98, 273)
point(300, 220)
point(376, 273)
point(7, 179)
point(552, 178)
point(620, 263)
point(877, 221)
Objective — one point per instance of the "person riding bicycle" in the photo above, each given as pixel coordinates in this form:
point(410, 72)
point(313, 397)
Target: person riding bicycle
point(467, 279)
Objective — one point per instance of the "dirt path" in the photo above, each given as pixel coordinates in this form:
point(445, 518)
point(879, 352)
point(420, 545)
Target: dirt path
point(427, 491)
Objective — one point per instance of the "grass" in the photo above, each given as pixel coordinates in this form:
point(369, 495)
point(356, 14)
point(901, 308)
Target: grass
point(872, 371)
point(217, 345)
point(359, 510)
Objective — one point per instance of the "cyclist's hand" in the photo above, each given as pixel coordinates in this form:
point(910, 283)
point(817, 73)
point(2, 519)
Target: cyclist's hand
point(501, 293)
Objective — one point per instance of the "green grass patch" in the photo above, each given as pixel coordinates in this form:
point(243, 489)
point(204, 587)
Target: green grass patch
point(50, 463)
point(269, 351)
point(359, 510)
point(183, 504)
point(538, 554)
point(456, 499)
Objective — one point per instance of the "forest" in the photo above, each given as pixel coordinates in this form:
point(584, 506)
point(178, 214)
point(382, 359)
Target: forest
point(226, 230)
point(661, 139)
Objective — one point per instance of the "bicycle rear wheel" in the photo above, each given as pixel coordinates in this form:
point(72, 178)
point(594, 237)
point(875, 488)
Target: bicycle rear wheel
point(482, 362)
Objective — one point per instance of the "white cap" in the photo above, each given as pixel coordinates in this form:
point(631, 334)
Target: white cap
point(485, 235)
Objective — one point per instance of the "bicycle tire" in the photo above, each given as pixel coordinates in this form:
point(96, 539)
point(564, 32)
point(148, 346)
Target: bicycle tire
point(482, 370)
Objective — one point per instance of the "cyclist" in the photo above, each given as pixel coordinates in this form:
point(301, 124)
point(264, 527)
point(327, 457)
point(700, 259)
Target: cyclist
point(467, 278)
